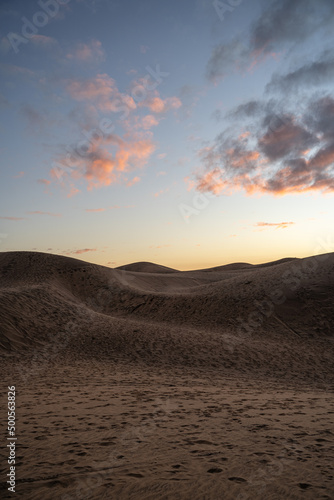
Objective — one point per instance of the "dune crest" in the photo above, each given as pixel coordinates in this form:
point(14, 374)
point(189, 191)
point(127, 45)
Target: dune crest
point(232, 317)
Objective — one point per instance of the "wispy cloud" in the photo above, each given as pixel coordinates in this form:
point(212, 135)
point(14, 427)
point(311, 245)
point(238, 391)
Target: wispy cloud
point(34, 118)
point(19, 175)
point(45, 182)
point(43, 41)
point(133, 181)
point(87, 52)
point(103, 91)
point(13, 218)
point(276, 225)
point(94, 209)
point(80, 251)
point(282, 25)
point(312, 73)
point(38, 212)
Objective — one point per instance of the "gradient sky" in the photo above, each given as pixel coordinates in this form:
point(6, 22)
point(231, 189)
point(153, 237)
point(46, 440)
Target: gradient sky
point(187, 133)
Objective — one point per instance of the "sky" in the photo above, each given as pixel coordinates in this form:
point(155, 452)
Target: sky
point(189, 133)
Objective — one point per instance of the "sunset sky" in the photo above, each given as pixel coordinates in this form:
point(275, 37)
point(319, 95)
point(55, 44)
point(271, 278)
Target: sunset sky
point(189, 133)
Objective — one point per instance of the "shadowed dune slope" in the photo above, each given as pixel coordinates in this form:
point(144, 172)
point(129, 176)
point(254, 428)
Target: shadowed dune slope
point(236, 316)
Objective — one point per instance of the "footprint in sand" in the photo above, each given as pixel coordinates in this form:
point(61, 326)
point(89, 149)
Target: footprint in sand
point(237, 479)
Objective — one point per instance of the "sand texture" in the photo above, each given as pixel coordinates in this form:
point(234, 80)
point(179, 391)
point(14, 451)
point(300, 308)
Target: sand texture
point(144, 382)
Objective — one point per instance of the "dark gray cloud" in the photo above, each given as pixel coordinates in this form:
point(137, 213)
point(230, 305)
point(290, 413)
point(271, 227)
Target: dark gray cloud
point(289, 21)
point(282, 151)
point(225, 57)
point(250, 108)
point(314, 73)
point(320, 116)
point(34, 118)
point(283, 23)
point(284, 138)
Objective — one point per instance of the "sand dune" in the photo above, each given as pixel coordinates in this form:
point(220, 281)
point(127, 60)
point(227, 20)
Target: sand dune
point(148, 382)
point(232, 316)
point(146, 267)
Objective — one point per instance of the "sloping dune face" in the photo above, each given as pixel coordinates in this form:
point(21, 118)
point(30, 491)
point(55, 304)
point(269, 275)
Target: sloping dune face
point(274, 319)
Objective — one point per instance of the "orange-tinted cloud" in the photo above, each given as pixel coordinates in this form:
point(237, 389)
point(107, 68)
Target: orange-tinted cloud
point(104, 163)
point(95, 209)
point(211, 181)
point(133, 181)
point(286, 153)
point(159, 193)
point(72, 192)
point(103, 91)
point(276, 225)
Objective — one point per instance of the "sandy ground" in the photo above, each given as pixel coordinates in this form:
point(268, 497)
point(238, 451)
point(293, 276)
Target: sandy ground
point(148, 383)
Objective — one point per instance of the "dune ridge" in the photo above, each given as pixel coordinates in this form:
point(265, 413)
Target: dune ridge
point(232, 317)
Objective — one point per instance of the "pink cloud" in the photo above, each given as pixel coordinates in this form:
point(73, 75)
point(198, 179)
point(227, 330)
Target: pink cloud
point(151, 99)
point(43, 41)
point(149, 121)
point(158, 105)
point(133, 181)
point(83, 250)
point(19, 175)
point(12, 69)
point(38, 212)
point(12, 218)
point(95, 209)
point(162, 191)
point(73, 190)
point(44, 181)
point(103, 91)
point(83, 52)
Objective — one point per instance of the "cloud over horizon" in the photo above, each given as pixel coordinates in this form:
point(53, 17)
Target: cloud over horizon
point(285, 151)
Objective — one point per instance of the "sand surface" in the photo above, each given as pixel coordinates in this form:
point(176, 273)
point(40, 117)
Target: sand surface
point(145, 382)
